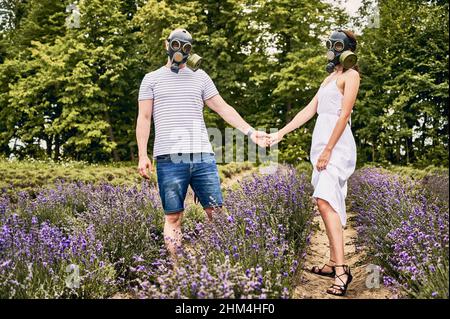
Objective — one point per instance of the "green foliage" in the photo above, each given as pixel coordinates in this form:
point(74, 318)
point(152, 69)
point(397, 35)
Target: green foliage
point(401, 116)
point(31, 174)
point(234, 168)
point(413, 172)
point(28, 175)
point(37, 282)
point(403, 225)
point(70, 93)
point(436, 287)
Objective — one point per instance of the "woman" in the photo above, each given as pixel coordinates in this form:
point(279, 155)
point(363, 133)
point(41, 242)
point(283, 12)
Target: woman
point(333, 149)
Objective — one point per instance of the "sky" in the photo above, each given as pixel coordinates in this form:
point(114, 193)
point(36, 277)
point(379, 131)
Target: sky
point(352, 6)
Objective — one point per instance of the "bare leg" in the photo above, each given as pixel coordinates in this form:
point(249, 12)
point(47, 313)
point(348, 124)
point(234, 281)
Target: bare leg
point(332, 260)
point(172, 232)
point(335, 236)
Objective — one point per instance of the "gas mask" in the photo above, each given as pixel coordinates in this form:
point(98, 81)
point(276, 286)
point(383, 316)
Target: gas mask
point(179, 51)
point(340, 50)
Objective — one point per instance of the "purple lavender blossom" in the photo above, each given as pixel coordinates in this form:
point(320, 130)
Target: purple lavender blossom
point(404, 229)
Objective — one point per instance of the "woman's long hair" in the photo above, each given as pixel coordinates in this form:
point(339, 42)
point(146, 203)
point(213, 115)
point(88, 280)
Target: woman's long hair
point(352, 36)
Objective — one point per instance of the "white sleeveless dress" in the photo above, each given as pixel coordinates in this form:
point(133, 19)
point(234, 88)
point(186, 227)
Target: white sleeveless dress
point(331, 183)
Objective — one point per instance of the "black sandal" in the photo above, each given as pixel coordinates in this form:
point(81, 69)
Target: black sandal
point(319, 271)
point(341, 290)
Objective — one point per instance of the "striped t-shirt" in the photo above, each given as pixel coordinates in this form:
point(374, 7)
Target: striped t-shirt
point(178, 101)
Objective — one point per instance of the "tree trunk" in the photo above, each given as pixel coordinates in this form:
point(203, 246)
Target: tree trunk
point(423, 130)
point(48, 141)
point(373, 152)
point(288, 112)
point(283, 59)
point(57, 147)
point(407, 151)
point(111, 138)
point(132, 157)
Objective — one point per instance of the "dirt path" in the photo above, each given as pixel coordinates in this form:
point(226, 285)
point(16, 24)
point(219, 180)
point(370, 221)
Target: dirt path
point(314, 287)
point(229, 182)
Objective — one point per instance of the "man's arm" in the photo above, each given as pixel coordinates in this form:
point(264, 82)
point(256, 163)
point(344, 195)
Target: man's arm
point(143, 124)
point(232, 117)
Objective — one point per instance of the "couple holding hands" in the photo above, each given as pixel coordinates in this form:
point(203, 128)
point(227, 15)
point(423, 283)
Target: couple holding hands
point(175, 94)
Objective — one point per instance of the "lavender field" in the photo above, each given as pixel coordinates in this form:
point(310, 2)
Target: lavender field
point(83, 240)
point(403, 223)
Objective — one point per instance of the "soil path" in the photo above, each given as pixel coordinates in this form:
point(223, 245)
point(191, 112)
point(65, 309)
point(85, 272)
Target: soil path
point(314, 286)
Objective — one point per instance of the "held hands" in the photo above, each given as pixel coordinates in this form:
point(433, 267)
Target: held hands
point(144, 166)
point(266, 140)
point(274, 138)
point(260, 138)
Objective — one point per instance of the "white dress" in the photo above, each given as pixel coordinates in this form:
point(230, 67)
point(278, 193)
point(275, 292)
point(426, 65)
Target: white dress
point(331, 184)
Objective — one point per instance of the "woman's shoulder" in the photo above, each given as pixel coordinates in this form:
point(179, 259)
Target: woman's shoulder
point(351, 74)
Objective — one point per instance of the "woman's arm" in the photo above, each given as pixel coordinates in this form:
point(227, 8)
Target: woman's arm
point(301, 118)
point(350, 93)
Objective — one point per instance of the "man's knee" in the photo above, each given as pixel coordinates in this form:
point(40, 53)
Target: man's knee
point(174, 218)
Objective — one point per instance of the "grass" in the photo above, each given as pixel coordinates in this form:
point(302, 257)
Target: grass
point(31, 174)
point(413, 172)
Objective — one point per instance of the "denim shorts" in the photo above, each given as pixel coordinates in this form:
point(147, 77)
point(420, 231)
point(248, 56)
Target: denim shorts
point(177, 171)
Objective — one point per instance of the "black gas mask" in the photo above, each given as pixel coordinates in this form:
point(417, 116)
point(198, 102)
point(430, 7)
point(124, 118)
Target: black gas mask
point(340, 50)
point(179, 51)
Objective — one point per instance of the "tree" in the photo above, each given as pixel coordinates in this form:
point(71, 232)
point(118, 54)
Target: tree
point(291, 35)
point(40, 21)
point(72, 86)
point(402, 116)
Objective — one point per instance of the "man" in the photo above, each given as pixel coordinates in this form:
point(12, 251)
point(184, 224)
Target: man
point(175, 95)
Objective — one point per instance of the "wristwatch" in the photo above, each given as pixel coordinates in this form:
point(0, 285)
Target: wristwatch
point(250, 132)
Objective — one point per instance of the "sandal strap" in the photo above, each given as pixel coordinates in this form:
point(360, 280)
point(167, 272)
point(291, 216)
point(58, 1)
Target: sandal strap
point(318, 270)
point(317, 267)
point(337, 290)
point(341, 287)
point(339, 277)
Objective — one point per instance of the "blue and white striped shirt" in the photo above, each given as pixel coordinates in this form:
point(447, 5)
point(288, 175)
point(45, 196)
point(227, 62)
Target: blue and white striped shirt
point(178, 101)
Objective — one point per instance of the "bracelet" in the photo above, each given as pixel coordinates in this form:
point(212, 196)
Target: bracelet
point(250, 132)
